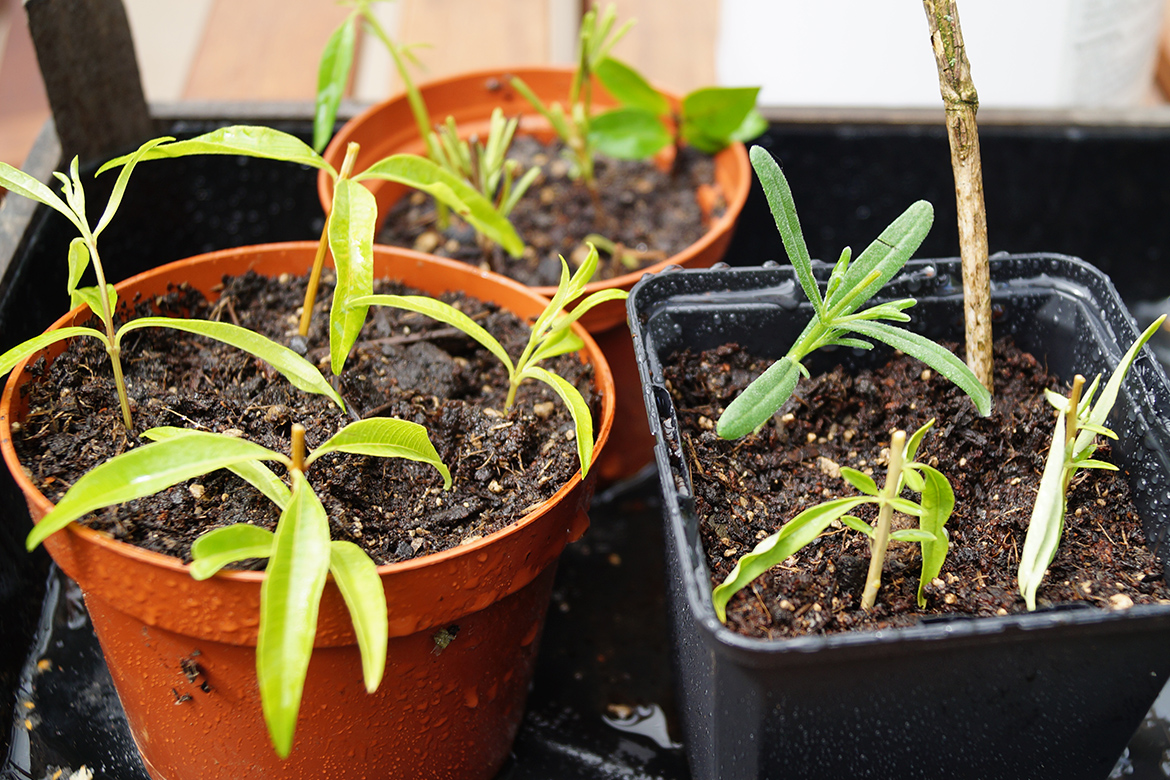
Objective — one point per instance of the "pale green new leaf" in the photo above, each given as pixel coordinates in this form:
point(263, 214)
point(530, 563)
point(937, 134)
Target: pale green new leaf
point(332, 79)
point(1047, 521)
point(759, 400)
point(361, 587)
point(857, 524)
point(559, 343)
point(254, 473)
point(1092, 463)
point(422, 174)
point(34, 345)
point(863, 482)
point(599, 297)
point(119, 189)
point(1109, 393)
point(442, 312)
point(351, 240)
point(20, 183)
point(913, 479)
point(246, 140)
point(912, 535)
point(385, 437)
point(301, 373)
point(78, 262)
point(938, 501)
point(222, 546)
point(939, 358)
point(582, 419)
point(144, 471)
point(91, 298)
point(794, 535)
point(290, 597)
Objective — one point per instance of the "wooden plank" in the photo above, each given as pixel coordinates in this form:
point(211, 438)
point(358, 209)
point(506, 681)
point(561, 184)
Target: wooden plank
point(262, 49)
point(672, 43)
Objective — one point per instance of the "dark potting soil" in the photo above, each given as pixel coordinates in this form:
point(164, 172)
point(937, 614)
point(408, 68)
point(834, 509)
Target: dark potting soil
point(746, 489)
point(404, 365)
point(638, 206)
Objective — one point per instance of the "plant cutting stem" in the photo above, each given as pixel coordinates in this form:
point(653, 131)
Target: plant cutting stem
point(298, 447)
point(1074, 400)
point(962, 102)
point(112, 348)
point(881, 533)
point(351, 153)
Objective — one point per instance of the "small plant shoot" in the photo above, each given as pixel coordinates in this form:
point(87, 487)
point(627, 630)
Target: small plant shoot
point(102, 299)
point(1078, 423)
point(836, 316)
point(551, 336)
point(300, 553)
point(935, 507)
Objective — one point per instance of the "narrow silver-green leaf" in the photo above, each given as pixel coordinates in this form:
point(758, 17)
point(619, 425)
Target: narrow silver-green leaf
point(145, 471)
point(246, 140)
point(422, 174)
point(222, 546)
point(290, 597)
point(254, 473)
point(1047, 521)
point(332, 79)
point(301, 373)
point(385, 437)
point(939, 358)
point(794, 535)
point(351, 240)
point(783, 208)
point(34, 345)
point(938, 501)
point(759, 400)
point(442, 312)
point(361, 587)
point(582, 419)
point(886, 255)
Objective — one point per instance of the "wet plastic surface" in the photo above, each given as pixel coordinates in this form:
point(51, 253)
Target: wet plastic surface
point(603, 689)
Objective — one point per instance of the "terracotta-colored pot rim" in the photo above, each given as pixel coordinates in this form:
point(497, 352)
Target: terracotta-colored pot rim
point(602, 379)
point(734, 155)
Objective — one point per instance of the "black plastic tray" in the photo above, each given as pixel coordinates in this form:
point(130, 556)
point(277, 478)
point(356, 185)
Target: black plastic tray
point(602, 702)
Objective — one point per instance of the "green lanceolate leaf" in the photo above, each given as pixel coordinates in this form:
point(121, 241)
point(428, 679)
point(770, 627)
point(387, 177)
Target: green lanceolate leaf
point(714, 113)
point(938, 501)
point(301, 373)
point(597, 298)
point(422, 174)
point(1109, 394)
point(254, 473)
point(629, 87)
point(863, 482)
point(20, 183)
point(351, 240)
point(145, 471)
point(857, 524)
point(246, 140)
point(912, 535)
point(34, 345)
point(443, 313)
point(92, 298)
point(628, 133)
point(78, 262)
point(361, 587)
point(124, 179)
point(289, 600)
point(561, 342)
point(783, 209)
point(939, 358)
point(332, 79)
point(759, 400)
point(1047, 521)
point(385, 437)
point(222, 546)
point(582, 419)
point(794, 535)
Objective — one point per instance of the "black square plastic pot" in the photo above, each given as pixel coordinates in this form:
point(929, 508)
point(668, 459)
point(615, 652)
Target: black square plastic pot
point(1051, 694)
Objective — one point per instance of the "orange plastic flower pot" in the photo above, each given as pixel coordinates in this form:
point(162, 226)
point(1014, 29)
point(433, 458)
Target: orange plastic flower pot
point(389, 128)
point(444, 710)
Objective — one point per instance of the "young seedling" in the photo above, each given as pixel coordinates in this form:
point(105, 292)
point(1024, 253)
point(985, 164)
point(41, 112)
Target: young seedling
point(933, 510)
point(1078, 422)
point(551, 336)
point(349, 229)
point(300, 553)
point(836, 319)
point(102, 299)
point(708, 119)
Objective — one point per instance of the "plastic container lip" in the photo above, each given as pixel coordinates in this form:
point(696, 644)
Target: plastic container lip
point(725, 288)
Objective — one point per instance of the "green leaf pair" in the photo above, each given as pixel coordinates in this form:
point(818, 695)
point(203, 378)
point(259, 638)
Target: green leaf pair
point(300, 553)
point(1073, 444)
point(836, 315)
point(933, 510)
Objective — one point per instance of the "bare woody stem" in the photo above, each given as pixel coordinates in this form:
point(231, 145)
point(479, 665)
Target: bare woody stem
point(351, 153)
point(881, 534)
point(961, 102)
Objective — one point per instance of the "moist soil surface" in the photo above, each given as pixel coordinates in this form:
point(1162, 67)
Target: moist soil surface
point(653, 212)
point(746, 489)
point(404, 365)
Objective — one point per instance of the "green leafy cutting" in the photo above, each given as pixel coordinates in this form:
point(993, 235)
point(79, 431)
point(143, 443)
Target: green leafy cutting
point(1078, 423)
point(934, 508)
point(102, 298)
point(300, 554)
point(836, 316)
point(551, 336)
